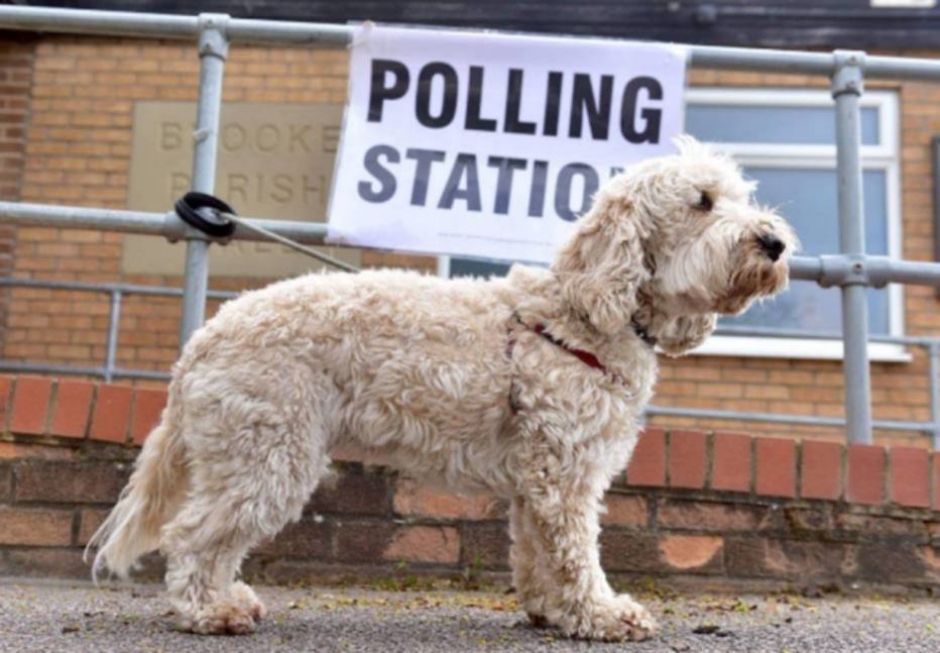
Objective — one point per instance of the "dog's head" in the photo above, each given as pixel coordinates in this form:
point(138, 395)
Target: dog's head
point(671, 243)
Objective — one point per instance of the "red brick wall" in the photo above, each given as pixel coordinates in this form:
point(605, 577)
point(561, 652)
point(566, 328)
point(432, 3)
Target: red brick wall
point(16, 71)
point(716, 510)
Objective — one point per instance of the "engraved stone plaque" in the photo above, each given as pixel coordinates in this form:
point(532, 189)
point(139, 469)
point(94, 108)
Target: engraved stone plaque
point(275, 161)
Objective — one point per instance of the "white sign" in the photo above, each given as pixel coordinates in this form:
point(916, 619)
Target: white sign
point(491, 145)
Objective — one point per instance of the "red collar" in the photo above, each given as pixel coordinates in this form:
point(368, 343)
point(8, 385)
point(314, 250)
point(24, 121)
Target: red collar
point(586, 357)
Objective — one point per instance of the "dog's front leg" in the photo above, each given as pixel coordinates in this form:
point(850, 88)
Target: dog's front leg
point(562, 517)
point(528, 563)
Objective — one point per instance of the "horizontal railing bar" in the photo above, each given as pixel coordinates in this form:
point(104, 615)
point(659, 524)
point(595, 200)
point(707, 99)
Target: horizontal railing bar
point(882, 269)
point(781, 61)
point(77, 217)
point(729, 330)
point(807, 420)
point(138, 289)
point(272, 32)
point(89, 21)
point(804, 268)
point(107, 288)
point(153, 375)
point(167, 225)
point(763, 332)
point(51, 368)
point(837, 269)
point(79, 370)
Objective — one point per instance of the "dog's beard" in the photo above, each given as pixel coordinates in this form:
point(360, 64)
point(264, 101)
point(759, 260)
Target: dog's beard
point(724, 271)
point(753, 276)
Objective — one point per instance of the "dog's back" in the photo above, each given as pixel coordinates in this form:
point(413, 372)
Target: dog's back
point(416, 365)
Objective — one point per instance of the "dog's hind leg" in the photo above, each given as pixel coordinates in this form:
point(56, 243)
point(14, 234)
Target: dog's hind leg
point(245, 488)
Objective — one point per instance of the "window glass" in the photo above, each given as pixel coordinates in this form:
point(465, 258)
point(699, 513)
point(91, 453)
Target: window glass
point(778, 125)
point(466, 267)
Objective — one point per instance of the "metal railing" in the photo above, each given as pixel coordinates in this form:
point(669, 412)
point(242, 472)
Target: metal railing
point(931, 344)
point(109, 369)
point(852, 270)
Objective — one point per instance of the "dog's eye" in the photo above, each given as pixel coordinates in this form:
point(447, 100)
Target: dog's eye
point(704, 203)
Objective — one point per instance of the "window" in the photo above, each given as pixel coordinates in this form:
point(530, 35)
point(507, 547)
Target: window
point(785, 139)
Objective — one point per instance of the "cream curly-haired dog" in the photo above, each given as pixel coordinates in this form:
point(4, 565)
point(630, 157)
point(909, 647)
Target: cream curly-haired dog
point(530, 387)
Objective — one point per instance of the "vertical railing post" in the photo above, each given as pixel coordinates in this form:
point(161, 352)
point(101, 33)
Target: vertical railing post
point(213, 50)
point(114, 329)
point(847, 87)
point(933, 353)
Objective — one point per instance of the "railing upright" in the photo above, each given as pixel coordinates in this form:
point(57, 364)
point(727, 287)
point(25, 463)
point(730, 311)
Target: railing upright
point(847, 83)
point(933, 369)
point(114, 329)
point(213, 51)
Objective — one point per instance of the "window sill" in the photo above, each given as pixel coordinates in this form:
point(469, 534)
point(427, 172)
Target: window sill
point(807, 349)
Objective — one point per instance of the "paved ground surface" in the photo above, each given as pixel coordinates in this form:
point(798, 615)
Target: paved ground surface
point(71, 617)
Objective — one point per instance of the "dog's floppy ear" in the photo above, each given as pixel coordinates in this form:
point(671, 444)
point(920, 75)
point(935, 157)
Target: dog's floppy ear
point(682, 334)
point(601, 267)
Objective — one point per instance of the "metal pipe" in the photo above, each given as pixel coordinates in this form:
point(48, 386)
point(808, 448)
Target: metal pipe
point(271, 32)
point(114, 328)
point(804, 268)
point(806, 420)
point(76, 217)
point(763, 332)
point(84, 21)
point(50, 368)
point(122, 373)
point(933, 352)
point(290, 33)
point(213, 50)
point(846, 90)
point(883, 270)
point(125, 288)
point(880, 269)
point(78, 370)
point(778, 61)
point(168, 291)
point(149, 224)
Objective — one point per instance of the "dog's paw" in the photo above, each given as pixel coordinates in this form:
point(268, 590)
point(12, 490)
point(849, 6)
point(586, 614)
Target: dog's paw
point(245, 598)
point(222, 618)
point(616, 620)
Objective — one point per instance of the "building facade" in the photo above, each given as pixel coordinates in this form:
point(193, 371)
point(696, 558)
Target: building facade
point(105, 122)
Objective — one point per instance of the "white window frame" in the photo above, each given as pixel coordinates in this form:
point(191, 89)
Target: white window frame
point(883, 156)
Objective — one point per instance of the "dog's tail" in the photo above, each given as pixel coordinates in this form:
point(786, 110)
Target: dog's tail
point(152, 495)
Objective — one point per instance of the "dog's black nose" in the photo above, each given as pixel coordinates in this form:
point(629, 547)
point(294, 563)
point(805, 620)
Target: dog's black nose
point(773, 247)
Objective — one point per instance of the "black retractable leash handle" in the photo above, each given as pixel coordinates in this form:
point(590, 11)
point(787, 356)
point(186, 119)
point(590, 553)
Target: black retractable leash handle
point(206, 213)
point(215, 218)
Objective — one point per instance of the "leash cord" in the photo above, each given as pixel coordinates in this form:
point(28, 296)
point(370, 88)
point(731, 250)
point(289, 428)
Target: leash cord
point(287, 242)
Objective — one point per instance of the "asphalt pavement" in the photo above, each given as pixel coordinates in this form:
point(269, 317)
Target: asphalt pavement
point(57, 616)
